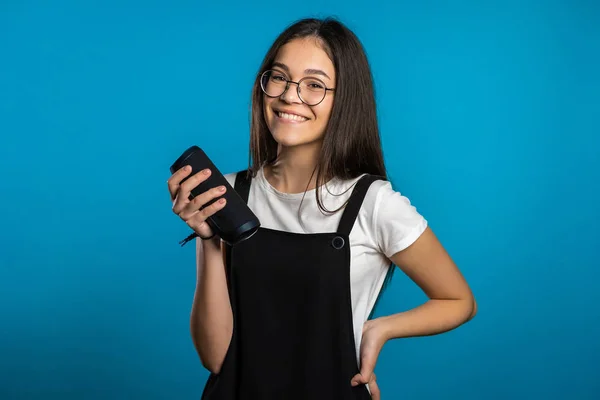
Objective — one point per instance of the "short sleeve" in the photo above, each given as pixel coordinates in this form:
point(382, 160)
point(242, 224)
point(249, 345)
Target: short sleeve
point(397, 223)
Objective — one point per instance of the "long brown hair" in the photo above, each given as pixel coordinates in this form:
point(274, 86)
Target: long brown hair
point(351, 144)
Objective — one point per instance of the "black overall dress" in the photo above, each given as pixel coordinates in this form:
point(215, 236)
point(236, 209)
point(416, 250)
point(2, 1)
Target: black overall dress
point(293, 333)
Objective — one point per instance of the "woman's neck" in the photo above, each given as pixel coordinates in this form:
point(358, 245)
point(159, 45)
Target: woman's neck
point(294, 171)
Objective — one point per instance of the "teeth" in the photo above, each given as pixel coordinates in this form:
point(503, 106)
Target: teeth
point(291, 117)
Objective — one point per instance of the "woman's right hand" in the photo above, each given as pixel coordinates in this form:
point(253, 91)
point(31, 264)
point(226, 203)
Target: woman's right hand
point(189, 211)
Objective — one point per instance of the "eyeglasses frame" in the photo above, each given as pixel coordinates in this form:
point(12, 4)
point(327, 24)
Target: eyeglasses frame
point(287, 86)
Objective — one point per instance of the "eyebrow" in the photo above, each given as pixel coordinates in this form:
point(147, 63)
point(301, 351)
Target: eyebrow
point(309, 71)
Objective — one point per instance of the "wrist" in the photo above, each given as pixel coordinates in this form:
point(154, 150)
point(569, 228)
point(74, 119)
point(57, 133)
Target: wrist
point(214, 242)
point(383, 325)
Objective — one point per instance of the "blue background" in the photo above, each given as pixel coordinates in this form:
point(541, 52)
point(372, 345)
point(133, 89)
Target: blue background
point(490, 122)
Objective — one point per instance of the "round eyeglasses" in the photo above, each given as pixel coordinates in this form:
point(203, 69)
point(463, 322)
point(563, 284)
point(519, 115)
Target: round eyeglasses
point(311, 91)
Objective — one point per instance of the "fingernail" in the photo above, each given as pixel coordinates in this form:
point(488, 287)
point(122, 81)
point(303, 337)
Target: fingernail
point(221, 201)
point(221, 188)
point(187, 168)
point(206, 171)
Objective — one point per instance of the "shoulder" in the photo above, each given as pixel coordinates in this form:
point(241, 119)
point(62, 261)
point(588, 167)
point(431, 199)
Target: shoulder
point(230, 177)
point(394, 221)
point(383, 198)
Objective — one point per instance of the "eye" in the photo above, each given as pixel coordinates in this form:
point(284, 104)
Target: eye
point(314, 85)
point(278, 77)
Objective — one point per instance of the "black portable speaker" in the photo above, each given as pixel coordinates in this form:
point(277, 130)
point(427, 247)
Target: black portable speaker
point(233, 223)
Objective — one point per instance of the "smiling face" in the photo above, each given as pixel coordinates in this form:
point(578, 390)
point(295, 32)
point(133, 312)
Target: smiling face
point(290, 121)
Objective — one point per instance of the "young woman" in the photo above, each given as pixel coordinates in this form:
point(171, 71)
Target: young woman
point(286, 313)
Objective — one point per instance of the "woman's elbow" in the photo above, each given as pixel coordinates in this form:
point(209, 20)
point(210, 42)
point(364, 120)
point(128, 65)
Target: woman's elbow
point(473, 309)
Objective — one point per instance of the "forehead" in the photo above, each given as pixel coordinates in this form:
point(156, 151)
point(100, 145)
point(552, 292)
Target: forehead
point(304, 54)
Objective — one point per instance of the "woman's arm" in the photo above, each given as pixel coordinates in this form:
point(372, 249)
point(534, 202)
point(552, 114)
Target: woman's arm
point(211, 320)
point(451, 302)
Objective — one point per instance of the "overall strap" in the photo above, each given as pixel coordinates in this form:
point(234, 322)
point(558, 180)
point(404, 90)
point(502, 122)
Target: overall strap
point(356, 199)
point(242, 184)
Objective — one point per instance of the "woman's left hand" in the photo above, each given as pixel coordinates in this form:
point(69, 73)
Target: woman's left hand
point(372, 342)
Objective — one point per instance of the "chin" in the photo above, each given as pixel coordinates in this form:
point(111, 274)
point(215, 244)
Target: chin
point(293, 137)
point(293, 132)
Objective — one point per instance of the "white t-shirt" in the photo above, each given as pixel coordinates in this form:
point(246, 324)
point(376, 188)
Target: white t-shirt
point(386, 224)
